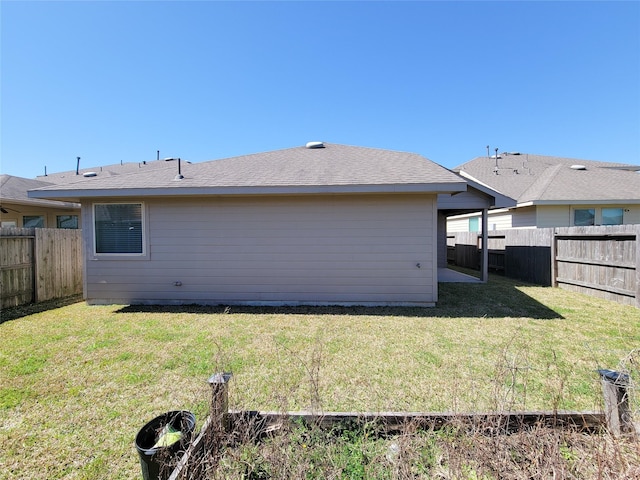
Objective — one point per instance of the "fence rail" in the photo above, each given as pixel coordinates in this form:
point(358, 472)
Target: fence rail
point(601, 261)
point(38, 264)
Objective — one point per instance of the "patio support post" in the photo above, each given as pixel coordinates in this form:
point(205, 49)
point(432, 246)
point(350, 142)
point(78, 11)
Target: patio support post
point(484, 274)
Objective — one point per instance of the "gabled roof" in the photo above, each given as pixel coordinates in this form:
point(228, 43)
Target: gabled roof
point(299, 170)
point(538, 179)
point(14, 190)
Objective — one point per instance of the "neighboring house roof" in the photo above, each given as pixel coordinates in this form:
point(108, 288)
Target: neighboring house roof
point(64, 178)
point(299, 170)
point(14, 190)
point(539, 179)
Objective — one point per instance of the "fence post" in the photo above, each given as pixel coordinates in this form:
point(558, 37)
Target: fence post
point(554, 263)
point(220, 401)
point(616, 402)
point(637, 266)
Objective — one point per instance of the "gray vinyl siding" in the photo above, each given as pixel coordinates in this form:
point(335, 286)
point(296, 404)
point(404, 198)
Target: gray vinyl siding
point(277, 250)
point(524, 217)
point(500, 221)
point(548, 216)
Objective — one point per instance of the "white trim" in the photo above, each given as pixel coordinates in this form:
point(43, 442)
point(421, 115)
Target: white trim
point(593, 201)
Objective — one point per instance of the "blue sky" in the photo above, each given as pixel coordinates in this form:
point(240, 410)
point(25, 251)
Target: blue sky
point(116, 81)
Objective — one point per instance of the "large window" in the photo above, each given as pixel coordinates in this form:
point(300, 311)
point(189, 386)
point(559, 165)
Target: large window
point(584, 217)
point(67, 221)
point(118, 228)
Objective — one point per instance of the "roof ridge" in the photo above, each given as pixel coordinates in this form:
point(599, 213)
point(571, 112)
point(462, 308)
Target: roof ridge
point(541, 184)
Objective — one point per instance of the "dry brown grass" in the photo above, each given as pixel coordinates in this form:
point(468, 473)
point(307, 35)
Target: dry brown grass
point(364, 451)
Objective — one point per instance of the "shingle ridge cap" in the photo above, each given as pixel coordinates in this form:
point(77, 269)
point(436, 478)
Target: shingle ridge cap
point(542, 183)
point(303, 147)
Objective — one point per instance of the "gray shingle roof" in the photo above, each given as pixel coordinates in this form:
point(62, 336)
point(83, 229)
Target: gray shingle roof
point(14, 189)
point(116, 169)
point(335, 168)
point(547, 179)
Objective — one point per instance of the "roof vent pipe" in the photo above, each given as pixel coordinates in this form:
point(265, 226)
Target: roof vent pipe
point(157, 154)
point(314, 145)
point(179, 176)
point(78, 166)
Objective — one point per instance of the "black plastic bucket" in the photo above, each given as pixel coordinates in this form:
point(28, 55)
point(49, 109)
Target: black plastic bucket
point(157, 461)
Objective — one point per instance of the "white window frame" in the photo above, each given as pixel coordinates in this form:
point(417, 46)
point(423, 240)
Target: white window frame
point(133, 256)
point(598, 219)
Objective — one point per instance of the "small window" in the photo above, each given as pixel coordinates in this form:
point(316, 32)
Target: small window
point(8, 224)
point(474, 224)
point(67, 221)
point(612, 216)
point(584, 217)
point(118, 228)
point(31, 221)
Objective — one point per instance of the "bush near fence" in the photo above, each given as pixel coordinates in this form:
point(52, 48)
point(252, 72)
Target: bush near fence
point(601, 261)
point(39, 264)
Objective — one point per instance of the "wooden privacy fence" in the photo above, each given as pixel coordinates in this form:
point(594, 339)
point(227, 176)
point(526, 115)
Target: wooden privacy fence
point(39, 264)
point(601, 261)
point(521, 254)
point(598, 261)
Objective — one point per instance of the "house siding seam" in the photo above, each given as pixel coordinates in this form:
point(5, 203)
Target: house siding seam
point(361, 249)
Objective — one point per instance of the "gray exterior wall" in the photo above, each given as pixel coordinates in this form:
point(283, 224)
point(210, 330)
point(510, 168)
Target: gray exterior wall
point(340, 249)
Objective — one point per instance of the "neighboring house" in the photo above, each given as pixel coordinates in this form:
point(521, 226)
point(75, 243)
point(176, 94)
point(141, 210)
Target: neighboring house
point(321, 224)
point(18, 210)
point(553, 192)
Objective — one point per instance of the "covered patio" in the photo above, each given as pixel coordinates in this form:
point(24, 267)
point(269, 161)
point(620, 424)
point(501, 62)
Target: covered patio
point(478, 197)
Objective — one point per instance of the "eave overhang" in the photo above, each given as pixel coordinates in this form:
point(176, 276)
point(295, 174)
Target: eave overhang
point(61, 204)
point(75, 195)
point(594, 201)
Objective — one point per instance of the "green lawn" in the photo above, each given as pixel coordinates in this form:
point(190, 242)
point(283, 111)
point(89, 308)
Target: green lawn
point(77, 382)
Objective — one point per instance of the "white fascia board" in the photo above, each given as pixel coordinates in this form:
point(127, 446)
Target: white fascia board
point(627, 201)
point(491, 213)
point(62, 205)
point(488, 187)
